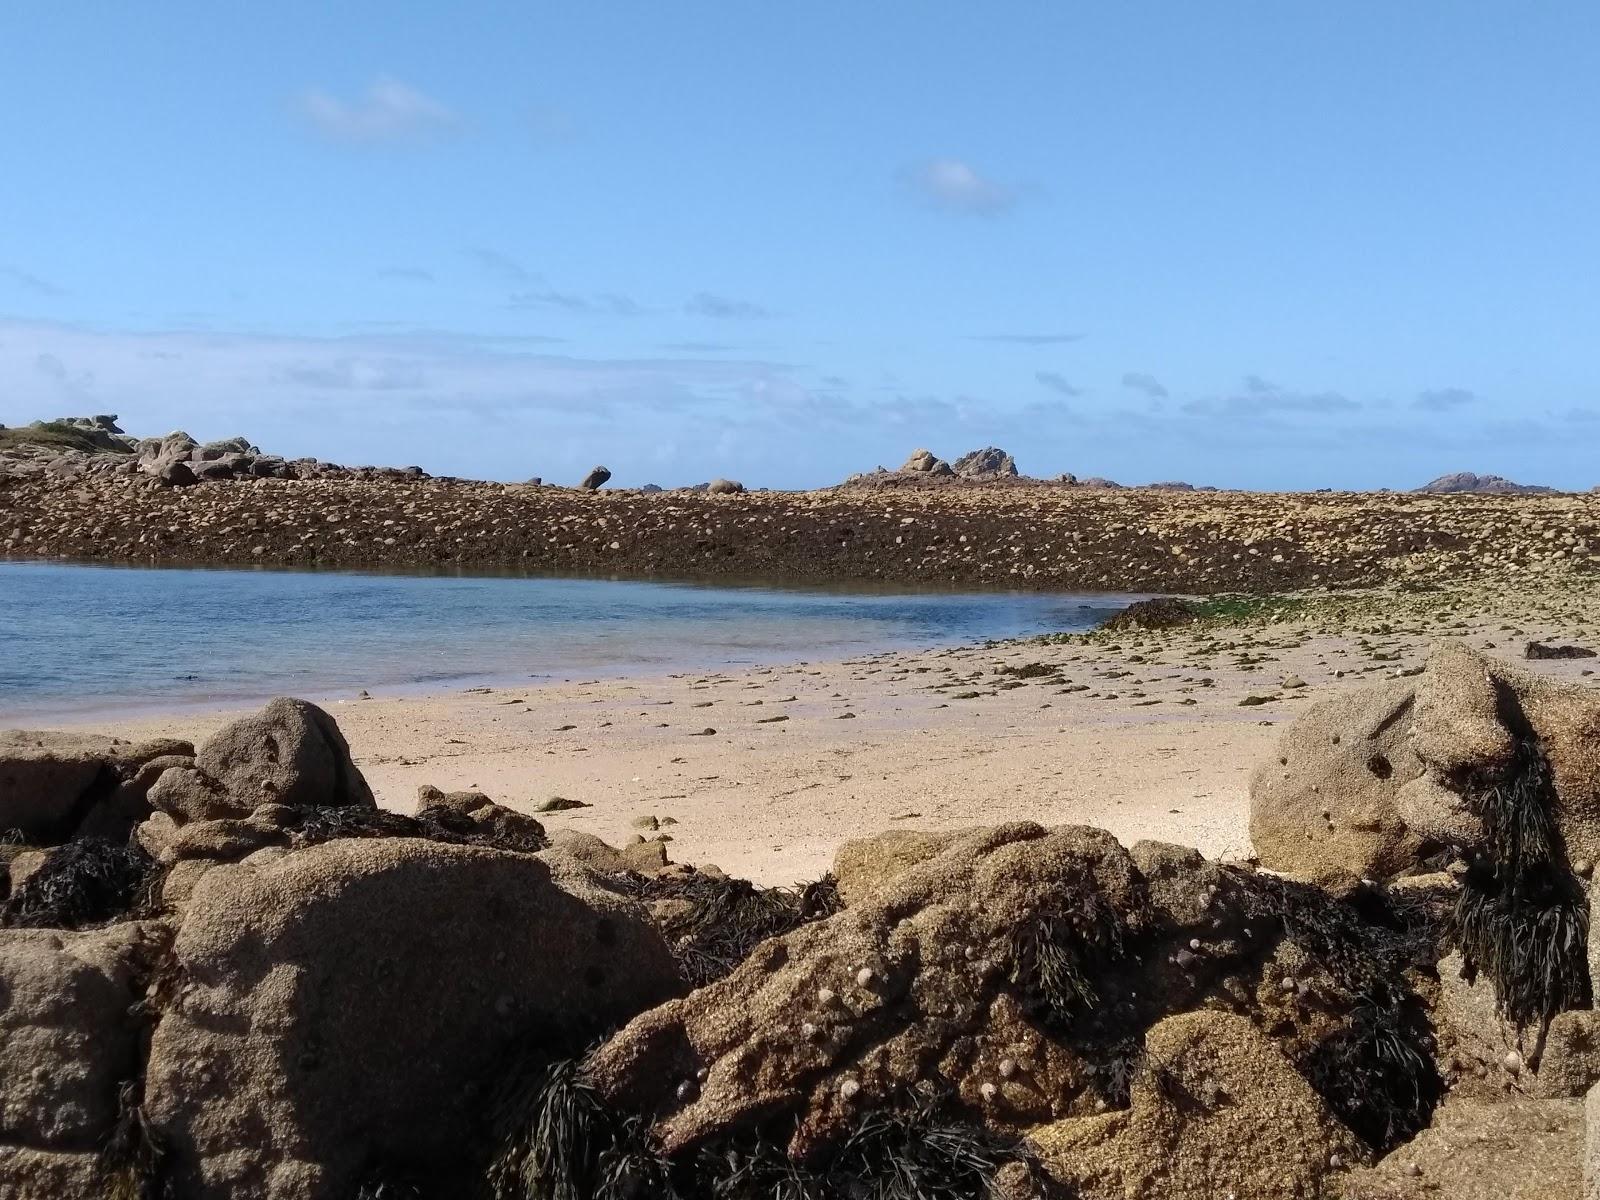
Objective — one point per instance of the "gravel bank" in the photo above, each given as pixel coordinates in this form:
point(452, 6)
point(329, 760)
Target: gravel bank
point(1032, 536)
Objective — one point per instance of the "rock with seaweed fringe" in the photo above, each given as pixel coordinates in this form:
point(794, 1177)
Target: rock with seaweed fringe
point(1477, 761)
point(1511, 1149)
point(1215, 1110)
point(69, 1040)
point(842, 1015)
point(999, 987)
point(350, 1006)
point(1366, 783)
point(291, 752)
point(57, 786)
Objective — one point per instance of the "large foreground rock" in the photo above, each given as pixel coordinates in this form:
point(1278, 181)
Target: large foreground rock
point(844, 1014)
point(1217, 1112)
point(1364, 783)
point(56, 786)
point(291, 752)
point(349, 1007)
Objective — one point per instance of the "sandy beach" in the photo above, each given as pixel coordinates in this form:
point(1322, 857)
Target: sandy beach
point(765, 771)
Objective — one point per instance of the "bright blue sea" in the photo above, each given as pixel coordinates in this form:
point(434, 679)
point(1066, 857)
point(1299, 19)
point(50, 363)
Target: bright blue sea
point(91, 639)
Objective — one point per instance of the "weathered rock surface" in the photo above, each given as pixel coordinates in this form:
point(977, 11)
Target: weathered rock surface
point(1217, 1111)
point(68, 1037)
point(343, 1009)
point(925, 462)
point(1508, 1150)
point(595, 479)
point(863, 866)
point(1324, 807)
point(55, 786)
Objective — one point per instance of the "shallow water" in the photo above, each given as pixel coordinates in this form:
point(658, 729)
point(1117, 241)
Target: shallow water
point(76, 640)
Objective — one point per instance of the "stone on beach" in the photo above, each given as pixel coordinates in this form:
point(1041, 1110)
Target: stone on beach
point(291, 753)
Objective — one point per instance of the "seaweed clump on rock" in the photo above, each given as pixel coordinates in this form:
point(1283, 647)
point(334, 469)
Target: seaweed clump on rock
point(1162, 612)
point(81, 884)
point(713, 922)
point(1053, 1002)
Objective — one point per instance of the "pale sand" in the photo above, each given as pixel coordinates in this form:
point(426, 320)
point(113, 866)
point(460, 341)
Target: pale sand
point(1145, 750)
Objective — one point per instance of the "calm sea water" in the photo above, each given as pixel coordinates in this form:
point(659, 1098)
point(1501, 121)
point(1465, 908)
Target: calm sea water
point(76, 640)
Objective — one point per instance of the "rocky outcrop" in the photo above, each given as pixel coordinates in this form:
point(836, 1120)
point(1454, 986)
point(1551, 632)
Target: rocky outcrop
point(595, 479)
point(324, 1000)
point(925, 462)
point(987, 463)
point(1160, 612)
point(345, 1008)
point(290, 753)
point(1481, 485)
point(57, 786)
point(725, 487)
point(83, 447)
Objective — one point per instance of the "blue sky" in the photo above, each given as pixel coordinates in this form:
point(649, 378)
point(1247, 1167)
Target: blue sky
point(1249, 244)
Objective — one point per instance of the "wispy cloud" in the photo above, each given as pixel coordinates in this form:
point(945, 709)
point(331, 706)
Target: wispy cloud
point(698, 348)
point(1028, 339)
point(1260, 396)
point(1145, 383)
point(605, 304)
point(724, 308)
point(361, 374)
point(30, 282)
point(388, 111)
point(499, 264)
point(1057, 382)
point(1444, 399)
point(954, 186)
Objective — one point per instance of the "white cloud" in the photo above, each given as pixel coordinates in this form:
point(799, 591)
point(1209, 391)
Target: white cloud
point(957, 187)
point(388, 111)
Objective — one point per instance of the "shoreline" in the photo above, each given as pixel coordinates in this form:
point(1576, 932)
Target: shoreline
point(1142, 733)
point(197, 647)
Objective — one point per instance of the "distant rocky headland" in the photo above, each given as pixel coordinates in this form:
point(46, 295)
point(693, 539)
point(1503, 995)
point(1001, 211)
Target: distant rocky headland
point(81, 489)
